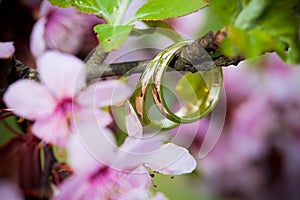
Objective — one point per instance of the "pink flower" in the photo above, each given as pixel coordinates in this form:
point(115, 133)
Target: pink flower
point(62, 29)
point(153, 152)
point(166, 158)
point(7, 49)
point(262, 133)
point(106, 183)
point(105, 171)
point(59, 100)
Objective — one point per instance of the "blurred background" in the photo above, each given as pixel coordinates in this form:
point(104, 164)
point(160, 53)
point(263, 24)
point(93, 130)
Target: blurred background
point(257, 155)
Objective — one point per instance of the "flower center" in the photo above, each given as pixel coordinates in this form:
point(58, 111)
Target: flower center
point(65, 105)
point(100, 173)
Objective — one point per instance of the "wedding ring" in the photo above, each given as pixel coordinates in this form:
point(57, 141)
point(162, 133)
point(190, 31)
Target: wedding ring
point(195, 95)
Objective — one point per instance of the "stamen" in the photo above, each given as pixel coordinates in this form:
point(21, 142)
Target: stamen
point(21, 119)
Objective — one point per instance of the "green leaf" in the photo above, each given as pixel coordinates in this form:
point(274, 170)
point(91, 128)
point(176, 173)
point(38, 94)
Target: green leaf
point(226, 10)
point(283, 26)
point(259, 26)
point(163, 9)
point(283, 23)
point(228, 48)
point(260, 42)
point(87, 6)
point(211, 21)
point(249, 43)
point(250, 13)
point(108, 6)
point(293, 53)
point(6, 133)
point(103, 8)
point(112, 37)
point(61, 3)
point(240, 38)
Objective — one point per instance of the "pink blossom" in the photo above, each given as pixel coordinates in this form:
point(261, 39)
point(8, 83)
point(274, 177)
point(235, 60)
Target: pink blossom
point(7, 49)
point(106, 183)
point(60, 100)
point(166, 158)
point(239, 81)
point(261, 134)
point(133, 125)
point(105, 171)
point(62, 29)
point(149, 151)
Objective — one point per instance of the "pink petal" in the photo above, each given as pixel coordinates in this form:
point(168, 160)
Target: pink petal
point(60, 33)
point(29, 99)
point(78, 157)
point(64, 74)
point(52, 130)
point(74, 187)
point(133, 125)
point(37, 41)
point(171, 159)
point(133, 151)
point(146, 144)
point(88, 114)
point(135, 184)
point(138, 178)
point(97, 141)
point(7, 49)
point(46, 8)
point(105, 93)
point(135, 194)
point(167, 159)
point(159, 196)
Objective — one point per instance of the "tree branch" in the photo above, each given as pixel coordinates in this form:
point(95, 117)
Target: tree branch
point(12, 70)
point(94, 60)
point(198, 56)
point(188, 58)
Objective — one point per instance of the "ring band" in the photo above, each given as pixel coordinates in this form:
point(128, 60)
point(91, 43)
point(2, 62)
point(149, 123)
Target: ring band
point(150, 90)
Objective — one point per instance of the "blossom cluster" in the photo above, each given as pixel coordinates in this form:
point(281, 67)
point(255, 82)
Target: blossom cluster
point(71, 141)
point(66, 112)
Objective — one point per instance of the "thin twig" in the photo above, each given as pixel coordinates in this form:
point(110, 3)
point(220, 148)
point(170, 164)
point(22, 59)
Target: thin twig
point(197, 56)
point(189, 58)
point(118, 69)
